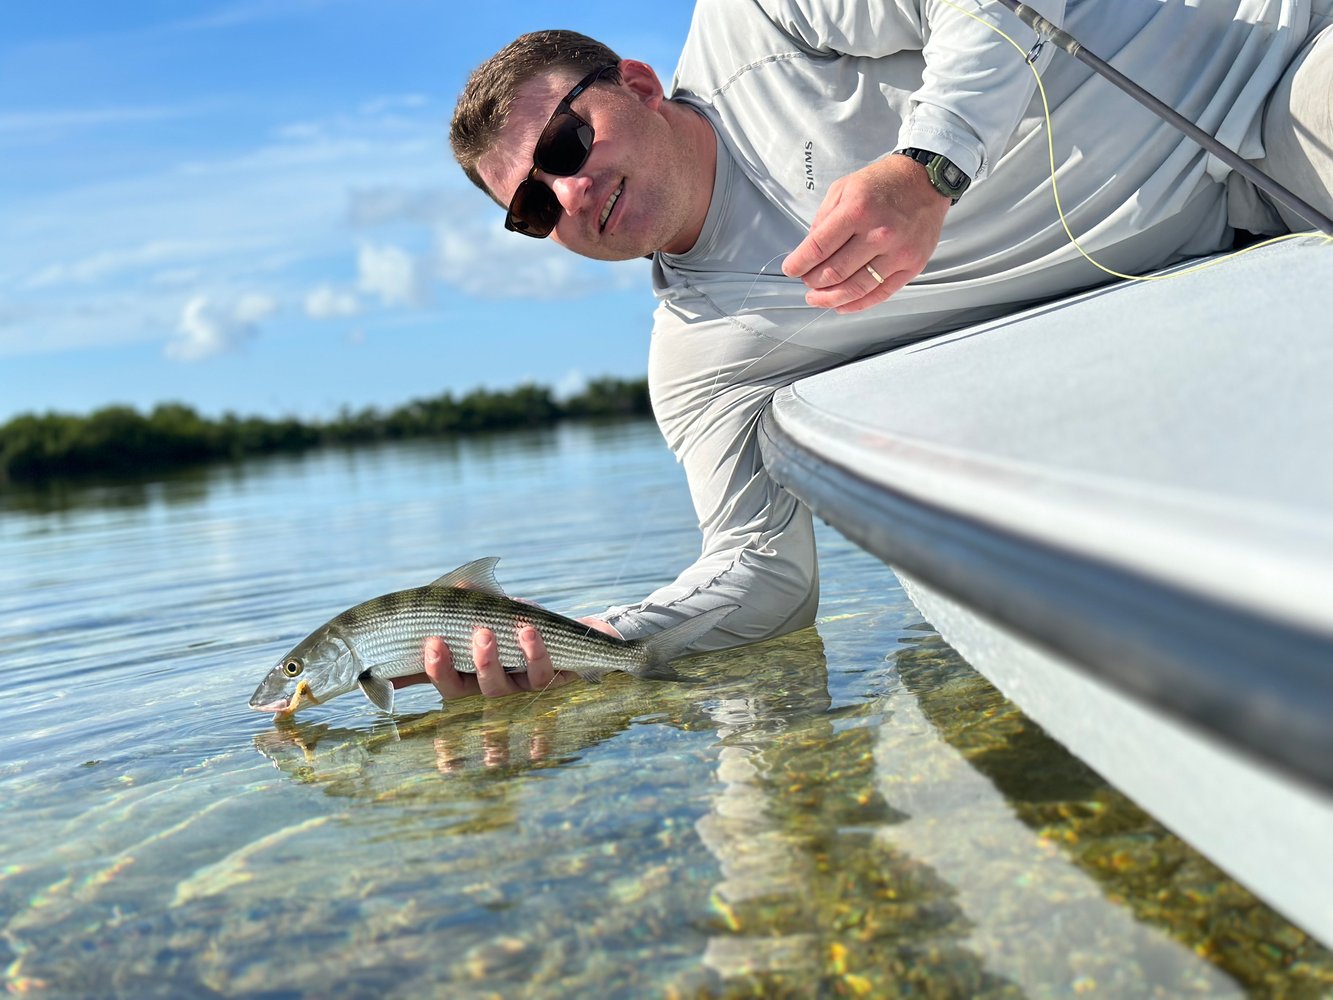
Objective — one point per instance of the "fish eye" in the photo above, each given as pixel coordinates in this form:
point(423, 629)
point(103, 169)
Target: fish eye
point(292, 668)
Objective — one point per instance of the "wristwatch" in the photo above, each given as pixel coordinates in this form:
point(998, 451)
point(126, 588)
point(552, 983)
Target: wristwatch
point(946, 178)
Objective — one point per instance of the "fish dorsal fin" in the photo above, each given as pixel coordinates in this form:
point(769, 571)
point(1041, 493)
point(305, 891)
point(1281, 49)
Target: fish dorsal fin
point(476, 575)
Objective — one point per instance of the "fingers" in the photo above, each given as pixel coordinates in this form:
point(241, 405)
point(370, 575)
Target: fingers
point(541, 672)
point(435, 657)
point(808, 253)
point(824, 240)
point(845, 280)
point(885, 218)
point(830, 229)
point(861, 290)
point(440, 671)
point(492, 679)
point(836, 262)
point(495, 682)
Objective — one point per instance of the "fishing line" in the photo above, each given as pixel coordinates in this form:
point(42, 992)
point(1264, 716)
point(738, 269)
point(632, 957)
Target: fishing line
point(1045, 31)
point(1029, 58)
point(761, 273)
point(537, 694)
point(1049, 31)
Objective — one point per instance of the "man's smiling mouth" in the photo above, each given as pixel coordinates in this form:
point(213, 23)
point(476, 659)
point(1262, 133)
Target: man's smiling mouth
point(610, 204)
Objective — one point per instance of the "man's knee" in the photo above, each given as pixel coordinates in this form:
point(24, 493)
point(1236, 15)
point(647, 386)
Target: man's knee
point(1298, 129)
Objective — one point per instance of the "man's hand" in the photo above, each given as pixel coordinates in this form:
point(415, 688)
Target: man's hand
point(491, 678)
point(886, 215)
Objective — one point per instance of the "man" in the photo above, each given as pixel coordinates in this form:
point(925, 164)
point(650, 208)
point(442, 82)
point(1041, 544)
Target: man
point(815, 160)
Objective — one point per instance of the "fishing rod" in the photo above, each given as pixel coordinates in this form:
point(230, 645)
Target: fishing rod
point(1047, 31)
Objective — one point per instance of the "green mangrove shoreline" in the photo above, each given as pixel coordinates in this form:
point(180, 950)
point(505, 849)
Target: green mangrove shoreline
point(119, 440)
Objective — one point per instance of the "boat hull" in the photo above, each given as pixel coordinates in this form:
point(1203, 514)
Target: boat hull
point(1125, 497)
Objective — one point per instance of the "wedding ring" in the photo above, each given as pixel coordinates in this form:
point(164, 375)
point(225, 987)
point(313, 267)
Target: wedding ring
point(875, 274)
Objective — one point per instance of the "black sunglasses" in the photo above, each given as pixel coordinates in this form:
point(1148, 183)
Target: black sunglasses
point(562, 149)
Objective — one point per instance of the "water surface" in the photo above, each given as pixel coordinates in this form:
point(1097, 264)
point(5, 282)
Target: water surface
point(849, 811)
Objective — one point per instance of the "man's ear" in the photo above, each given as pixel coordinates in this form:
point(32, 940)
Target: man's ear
point(641, 81)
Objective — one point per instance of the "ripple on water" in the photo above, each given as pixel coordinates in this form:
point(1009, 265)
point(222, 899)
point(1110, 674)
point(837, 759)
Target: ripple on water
point(848, 812)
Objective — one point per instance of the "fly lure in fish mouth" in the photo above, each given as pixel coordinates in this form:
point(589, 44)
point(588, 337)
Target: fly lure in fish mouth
point(368, 645)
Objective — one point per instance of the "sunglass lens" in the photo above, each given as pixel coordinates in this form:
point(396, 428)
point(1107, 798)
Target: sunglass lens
point(534, 210)
point(564, 144)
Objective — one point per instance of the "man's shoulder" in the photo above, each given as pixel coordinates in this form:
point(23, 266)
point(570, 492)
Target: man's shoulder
point(726, 37)
point(814, 27)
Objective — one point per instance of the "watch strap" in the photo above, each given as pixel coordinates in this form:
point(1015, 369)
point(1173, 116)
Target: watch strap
point(945, 177)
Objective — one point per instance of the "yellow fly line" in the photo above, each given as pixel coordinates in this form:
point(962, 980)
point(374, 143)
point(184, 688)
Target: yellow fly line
point(1055, 190)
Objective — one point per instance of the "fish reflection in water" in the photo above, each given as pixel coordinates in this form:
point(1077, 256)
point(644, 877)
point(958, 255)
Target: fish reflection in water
point(764, 724)
point(819, 855)
point(504, 737)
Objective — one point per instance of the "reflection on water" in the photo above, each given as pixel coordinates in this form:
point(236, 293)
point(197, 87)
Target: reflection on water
point(849, 811)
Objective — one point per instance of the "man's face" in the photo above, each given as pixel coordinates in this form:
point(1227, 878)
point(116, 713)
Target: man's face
point(630, 197)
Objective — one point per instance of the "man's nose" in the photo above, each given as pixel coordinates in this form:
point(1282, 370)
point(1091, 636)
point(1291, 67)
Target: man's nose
point(572, 192)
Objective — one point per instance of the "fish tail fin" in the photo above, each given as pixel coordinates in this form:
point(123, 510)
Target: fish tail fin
point(670, 643)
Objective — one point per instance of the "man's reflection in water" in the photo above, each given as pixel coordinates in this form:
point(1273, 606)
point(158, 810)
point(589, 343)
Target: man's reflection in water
point(764, 868)
point(860, 848)
point(808, 895)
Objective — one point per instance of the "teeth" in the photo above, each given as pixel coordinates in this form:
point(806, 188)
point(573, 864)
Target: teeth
point(610, 204)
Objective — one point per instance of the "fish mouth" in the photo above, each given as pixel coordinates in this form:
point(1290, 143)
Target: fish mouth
point(279, 707)
point(287, 704)
point(610, 204)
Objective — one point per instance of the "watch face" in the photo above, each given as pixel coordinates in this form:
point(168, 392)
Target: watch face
point(948, 178)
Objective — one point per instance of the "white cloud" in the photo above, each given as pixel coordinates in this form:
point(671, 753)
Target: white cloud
point(327, 302)
point(300, 132)
point(394, 102)
point(99, 266)
point(207, 329)
point(253, 307)
point(239, 14)
point(570, 385)
point(111, 260)
point(391, 273)
point(488, 261)
point(31, 122)
point(178, 277)
point(385, 204)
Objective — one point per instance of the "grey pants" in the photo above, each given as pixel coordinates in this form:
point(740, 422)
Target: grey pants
point(1298, 139)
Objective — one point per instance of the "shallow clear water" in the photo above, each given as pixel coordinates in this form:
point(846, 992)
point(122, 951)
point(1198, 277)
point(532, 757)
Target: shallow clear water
point(850, 811)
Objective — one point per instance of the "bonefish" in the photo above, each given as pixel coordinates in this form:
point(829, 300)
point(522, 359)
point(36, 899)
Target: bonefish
point(369, 644)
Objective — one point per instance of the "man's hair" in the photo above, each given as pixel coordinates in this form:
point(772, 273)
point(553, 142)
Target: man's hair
point(483, 106)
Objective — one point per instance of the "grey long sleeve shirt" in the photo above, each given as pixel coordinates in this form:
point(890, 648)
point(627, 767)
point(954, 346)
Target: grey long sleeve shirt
point(802, 92)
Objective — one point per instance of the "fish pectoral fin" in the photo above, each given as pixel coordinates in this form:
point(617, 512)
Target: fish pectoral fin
point(377, 690)
point(593, 676)
point(476, 575)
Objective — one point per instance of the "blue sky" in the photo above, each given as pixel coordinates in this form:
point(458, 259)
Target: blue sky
point(249, 205)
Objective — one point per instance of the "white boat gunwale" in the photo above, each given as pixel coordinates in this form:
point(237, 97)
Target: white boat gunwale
point(1259, 683)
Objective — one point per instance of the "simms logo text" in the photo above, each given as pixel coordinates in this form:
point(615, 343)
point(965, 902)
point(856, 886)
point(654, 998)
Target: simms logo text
point(809, 165)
